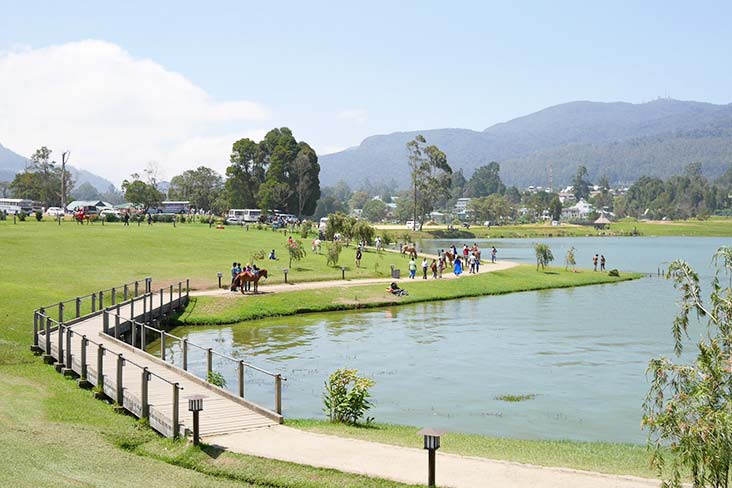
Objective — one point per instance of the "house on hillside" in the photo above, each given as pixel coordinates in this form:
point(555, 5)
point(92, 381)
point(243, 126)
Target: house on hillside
point(580, 210)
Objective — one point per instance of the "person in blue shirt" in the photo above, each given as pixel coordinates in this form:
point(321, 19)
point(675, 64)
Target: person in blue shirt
point(235, 270)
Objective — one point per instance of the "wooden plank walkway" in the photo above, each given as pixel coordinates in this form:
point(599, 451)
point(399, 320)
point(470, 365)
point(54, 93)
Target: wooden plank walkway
point(143, 384)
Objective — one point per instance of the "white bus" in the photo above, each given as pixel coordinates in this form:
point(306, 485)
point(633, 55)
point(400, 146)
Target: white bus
point(16, 205)
point(240, 215)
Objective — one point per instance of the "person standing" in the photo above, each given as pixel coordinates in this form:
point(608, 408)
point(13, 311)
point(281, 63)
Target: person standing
point(441, 265)
point(412, 268)
point(602, 262)
point(126, 219)
point(425, 265)
point(477, 262)
point(594, 262)
point(494, 251)
point(471, 263)
point(458, 267)
point(433, 267)
point(234, 273)
point(359, 255)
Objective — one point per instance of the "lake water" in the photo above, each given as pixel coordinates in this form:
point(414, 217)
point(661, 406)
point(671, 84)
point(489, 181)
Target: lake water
point(583, 352)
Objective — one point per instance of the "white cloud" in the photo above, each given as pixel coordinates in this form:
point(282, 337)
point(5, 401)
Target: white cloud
point(331, 149)
point(356, 115)
point(116, 112)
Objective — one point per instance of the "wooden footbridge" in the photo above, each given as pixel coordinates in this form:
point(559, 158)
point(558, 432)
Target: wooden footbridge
point(102, 338)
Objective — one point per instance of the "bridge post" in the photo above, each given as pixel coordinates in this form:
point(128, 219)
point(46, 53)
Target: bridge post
point(47, 356)
point(120, 389)
point(180, 293)
point(94, 302)
point(69, 364)
point(143, 336)
point(170, 302)
point(133, 338)
point(60, 335)
point(114, 296)
point(78, 307)
point(101, 299)
point(209, 363)
point(188, 288)
point(278, 394)
point(241, 378)
point(84, 344)
point(125, 293)
point(175, 409)
point(162, 345)
point(132, 309)
point(151, 306)
point(185, 354)
point(105, 321)
point(162, 304)
point(35, 331)
point(60, 312)
point(137, 287)
point(116, 324)
point(143, 393)
point(100, 367)
point(144, 308)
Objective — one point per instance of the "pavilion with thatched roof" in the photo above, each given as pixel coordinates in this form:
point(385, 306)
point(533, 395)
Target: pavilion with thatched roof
point(602, 222)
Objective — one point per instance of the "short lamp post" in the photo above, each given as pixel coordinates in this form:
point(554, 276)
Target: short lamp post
point(343, 272)
point(432, 444)
point(195, 405)
point(286, 270)
point(219, 274)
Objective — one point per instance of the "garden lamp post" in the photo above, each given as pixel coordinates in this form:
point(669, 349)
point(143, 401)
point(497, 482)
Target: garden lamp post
point(286, 270)
point(343, 272)
point(195, 405)
point(432, 444)
point(219, 274)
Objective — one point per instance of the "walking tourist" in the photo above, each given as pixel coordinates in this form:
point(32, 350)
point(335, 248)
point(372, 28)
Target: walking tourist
point(602, 262)
point(441, 266)
point(235, 270)
point(471, 263)
point(425, 265)
point(594, 262)
point(494, 251)
point(359, 255)
point(412, 268)
point(477, 262)
point(458, 267)
point(433, 267)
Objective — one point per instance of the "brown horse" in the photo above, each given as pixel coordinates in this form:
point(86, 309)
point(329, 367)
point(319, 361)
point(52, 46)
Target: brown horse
point(411, 250)
point(249, 277)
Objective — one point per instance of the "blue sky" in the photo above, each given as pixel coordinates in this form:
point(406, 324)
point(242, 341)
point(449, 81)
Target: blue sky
point(338, 72)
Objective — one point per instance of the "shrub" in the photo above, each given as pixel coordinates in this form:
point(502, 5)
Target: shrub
point(22, 216)
point(257, 256)
point(544, 256)
point(305, 228)
point(216, 379)
point(333, 253)
point(111, 218)
point(3, 215)
point(295, 250)
point(614, 272)
point(346, 397)
point(386, 238)
point(363, 231)
point(569, 259)
point(39, 215)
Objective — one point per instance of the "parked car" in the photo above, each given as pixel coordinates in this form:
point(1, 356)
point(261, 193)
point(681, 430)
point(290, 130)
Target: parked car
point(55, 212)
point(110, 211)
point(411, 225)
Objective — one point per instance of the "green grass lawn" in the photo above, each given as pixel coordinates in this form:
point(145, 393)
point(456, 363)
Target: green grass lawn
point(232, 309)
point(712, 227)
point(602, 457)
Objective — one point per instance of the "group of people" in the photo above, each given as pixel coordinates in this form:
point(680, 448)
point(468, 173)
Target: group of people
point(468, 258)
point(601, 259)
point(237, 269)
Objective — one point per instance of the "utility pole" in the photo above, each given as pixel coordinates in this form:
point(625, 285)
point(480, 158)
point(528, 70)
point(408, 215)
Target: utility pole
point(64, 159)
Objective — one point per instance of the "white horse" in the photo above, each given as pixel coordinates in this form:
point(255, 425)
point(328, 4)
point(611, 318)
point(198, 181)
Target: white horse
point(316, 245)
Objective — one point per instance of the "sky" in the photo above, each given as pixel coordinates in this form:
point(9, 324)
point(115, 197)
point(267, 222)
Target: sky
point(123, 84)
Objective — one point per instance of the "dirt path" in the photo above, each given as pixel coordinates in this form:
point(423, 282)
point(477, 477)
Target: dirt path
point(409, 465)
point(485, 267)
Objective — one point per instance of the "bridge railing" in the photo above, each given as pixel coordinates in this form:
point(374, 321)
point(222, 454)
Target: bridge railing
point(141, 330)
point(85, 357)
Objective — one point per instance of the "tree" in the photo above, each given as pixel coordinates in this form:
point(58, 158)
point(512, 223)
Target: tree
point(359, 199)
point(544, 255)
point(295, 250)
point(86, 191)
point(486, 181)
point(688, 409)
point(569, 259)
point(493, 208)
point(374, 210)
point(580, 183)
point(307, 180)
point(555, 207)
point(141, 193)
point(202, 187)
point(431, 176)
point(362, 231)
point(244, 174)
point(41, 181)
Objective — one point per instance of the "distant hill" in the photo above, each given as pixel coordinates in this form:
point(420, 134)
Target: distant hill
point(621, 140)
point(12, 163)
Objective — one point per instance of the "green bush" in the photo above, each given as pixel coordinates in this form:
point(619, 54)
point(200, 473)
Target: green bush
point(3, 215)
point(22, 216)
point(614, 272)
point(305, 228)
point(544, 255)
point(386, 238)
point(111, 218)
point(216, 379)
point(346, 397)
point(39, 215)
point(333, 253)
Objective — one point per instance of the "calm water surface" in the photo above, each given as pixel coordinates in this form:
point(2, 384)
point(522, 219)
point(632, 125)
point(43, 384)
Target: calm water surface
point(582, 352)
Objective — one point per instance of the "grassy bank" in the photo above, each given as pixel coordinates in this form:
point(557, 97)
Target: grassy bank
point(228, 309)
point(603, 457)
point(53, 433)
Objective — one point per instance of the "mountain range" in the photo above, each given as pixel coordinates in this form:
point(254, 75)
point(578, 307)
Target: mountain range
point(622, 141)
point(12, 163)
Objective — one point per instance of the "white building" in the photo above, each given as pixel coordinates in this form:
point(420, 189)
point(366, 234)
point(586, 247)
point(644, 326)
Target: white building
point(581, 210)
